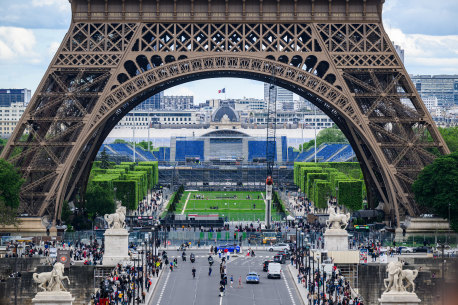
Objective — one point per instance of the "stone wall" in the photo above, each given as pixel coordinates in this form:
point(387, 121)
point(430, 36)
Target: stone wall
point(371, 276)
point(81, 279)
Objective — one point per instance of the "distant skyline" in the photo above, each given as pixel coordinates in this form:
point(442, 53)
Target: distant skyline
point(31, 32)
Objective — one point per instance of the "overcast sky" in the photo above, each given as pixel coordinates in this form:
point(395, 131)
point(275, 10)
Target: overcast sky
point(31, 31)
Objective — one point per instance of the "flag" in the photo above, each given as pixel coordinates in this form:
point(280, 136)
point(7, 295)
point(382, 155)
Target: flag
point(222, 90)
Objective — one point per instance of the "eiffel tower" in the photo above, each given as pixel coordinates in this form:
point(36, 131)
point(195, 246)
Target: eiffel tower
point(117, 53)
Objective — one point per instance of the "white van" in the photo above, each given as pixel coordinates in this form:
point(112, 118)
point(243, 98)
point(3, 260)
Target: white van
point(274, 270)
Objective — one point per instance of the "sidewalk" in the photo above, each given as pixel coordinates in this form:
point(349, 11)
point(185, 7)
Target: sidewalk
point(303, 292)
point(152, 288)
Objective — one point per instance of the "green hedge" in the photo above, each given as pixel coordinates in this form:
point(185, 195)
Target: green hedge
point(351, 194)
point(127, 193)
point(303, 178)
point(310, 179)
point(321, 191)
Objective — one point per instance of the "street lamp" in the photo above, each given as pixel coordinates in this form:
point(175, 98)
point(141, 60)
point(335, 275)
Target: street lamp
point(302, 248)
point(297, 245)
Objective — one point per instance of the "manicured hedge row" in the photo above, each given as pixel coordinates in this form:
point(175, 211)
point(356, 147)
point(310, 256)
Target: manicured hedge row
point(343, 180)
point(130, 179)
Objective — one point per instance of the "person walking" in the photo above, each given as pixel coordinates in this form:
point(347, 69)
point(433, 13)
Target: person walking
point(210, 271)
point(232, 281)
point(193, 272)
point(240, 281)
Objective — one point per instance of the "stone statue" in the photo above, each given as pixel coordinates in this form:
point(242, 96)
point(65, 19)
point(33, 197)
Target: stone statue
point(396, 277)
point(117, 220)
point(52, 281)
point(337, 221)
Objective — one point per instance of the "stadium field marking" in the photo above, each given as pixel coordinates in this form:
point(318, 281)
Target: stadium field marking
point(186, 203)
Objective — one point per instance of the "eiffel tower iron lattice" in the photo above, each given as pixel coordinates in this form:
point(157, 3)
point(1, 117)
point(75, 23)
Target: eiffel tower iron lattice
point(116, 53)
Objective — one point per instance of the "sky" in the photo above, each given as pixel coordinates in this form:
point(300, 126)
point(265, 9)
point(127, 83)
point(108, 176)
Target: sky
point(31, 32)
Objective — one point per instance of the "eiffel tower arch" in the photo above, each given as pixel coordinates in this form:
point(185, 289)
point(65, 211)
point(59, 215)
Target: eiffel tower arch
point(117, 53)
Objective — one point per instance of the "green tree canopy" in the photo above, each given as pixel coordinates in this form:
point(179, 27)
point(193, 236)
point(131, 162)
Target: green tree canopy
point(436, 187)
point(144, 145)
point(104, 162)
point(99, 200)
point(10, 185)
point(328, 135)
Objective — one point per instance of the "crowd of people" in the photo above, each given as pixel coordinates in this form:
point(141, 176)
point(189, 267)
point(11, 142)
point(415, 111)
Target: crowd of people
point(128, 283)
point(150, 205)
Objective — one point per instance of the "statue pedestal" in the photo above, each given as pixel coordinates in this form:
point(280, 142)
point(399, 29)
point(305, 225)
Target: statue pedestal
point(53, 298)
point(116, 246)
point(399, 298)
point(336, 240)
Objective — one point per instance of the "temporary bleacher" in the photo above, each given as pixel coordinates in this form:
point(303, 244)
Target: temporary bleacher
point(343, 155)
point(328, 151)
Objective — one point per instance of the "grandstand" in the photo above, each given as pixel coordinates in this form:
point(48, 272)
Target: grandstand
point(228, 146)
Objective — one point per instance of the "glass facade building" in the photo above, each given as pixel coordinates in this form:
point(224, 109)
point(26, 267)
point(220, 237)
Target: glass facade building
point(10, 96)
point(444, 87)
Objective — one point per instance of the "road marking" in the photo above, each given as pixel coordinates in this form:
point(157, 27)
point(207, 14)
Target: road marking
point(220, 300)
point(163, 288)
point(186, 203)
point(289, 290)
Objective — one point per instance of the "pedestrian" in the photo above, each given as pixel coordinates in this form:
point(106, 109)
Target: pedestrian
point(232, 281)
point(210, 271)
point(221, 290)
point(219, 253)
point(193, 272)
point(240, 281)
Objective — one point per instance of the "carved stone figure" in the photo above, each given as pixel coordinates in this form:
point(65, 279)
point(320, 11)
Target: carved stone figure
point(52, 281)
point(337, 221)
point(396, 277)
point(116, 220)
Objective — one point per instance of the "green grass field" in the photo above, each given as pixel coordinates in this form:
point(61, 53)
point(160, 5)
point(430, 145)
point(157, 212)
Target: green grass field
point(232, 204)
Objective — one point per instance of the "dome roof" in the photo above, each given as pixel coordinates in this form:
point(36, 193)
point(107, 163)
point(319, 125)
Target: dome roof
point(225, 110)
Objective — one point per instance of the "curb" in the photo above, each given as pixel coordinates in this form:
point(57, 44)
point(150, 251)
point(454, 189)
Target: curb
point(298, 288)
point(150, 295)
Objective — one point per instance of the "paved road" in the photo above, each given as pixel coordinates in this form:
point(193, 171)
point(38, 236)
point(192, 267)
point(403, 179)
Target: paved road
point(178, 287)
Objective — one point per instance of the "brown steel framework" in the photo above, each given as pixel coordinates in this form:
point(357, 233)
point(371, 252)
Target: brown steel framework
point(116, 53)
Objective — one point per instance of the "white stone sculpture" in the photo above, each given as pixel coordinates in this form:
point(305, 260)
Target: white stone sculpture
point(52, 281)
point(117, 220)
point(337, 221)
point(397, 276)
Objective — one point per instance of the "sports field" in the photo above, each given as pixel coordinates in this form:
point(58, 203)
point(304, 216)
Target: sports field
point(237, 206)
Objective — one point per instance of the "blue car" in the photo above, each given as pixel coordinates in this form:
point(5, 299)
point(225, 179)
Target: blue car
point(252, 277)
point(230, 248)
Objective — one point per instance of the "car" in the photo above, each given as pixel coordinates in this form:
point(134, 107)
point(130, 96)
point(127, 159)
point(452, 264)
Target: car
point(230, 248)
point(424, 249)
point(274, 271)
point(405, 250)
point(278, 247)
point(285, 253)
point(265, 265)
point(280, 259)
point(252, 277)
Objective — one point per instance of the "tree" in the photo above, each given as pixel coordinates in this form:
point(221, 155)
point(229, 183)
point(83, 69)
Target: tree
point(104, 163)
point(328, 135)
point(99, 200)
point(450, 136)
point(144, 145)
point(2, 144)
point(66, 212)
point(10, 185)
point(300, 147)
point(436, 187)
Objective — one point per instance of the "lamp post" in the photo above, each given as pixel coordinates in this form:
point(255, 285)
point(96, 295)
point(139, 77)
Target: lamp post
point(302, 247)
point(297, 245)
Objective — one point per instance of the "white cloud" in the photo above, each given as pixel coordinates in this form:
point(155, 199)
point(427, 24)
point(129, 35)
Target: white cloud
point(437, 54)
point(179, 90)
point(61, 5)
point(54, 46)
point(17, 42)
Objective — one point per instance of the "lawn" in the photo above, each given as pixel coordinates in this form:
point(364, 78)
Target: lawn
point(237, 206)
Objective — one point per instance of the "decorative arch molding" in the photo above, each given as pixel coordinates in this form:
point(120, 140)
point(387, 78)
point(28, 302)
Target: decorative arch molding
point(334, 53)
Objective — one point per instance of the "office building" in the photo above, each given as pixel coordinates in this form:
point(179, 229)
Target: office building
point(283, 97)
point(10, 96)
point(443, 87)
point(151, 103)
point(172, 102)
point(9, 117)
point(400, 51)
